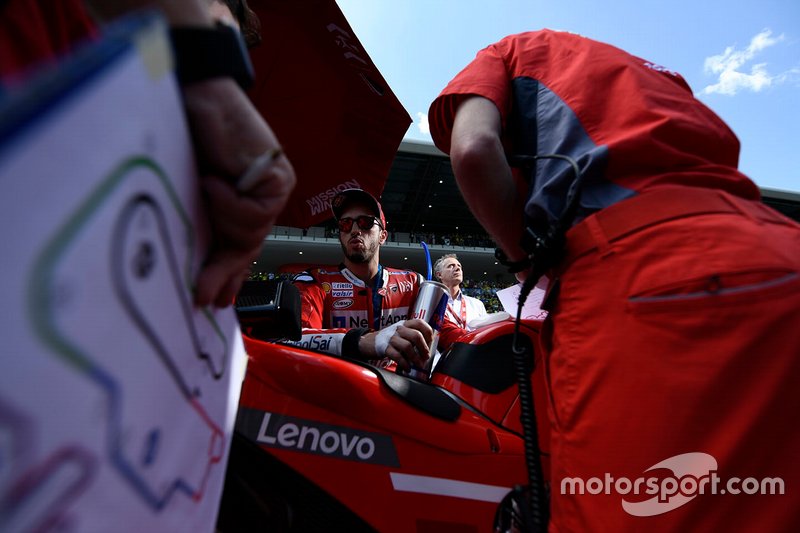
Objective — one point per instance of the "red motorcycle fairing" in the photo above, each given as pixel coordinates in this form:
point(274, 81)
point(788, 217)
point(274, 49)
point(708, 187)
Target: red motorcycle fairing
point(479, 370)
point(400, 454)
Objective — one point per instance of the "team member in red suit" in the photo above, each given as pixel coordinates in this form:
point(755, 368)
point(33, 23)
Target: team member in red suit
point(674, 334)
point(361, 308)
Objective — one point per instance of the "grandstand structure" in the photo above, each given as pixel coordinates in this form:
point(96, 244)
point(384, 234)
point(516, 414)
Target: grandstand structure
point(421, 202)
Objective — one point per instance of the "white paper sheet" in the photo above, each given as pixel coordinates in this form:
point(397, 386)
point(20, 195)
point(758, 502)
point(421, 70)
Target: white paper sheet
point(117, 396)
point(532, 309)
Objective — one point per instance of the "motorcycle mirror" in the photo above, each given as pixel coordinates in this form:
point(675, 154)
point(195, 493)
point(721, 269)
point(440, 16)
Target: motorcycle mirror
point(269, 309)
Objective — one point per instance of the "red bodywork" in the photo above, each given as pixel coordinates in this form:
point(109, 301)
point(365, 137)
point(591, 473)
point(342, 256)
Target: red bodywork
point(396, 465)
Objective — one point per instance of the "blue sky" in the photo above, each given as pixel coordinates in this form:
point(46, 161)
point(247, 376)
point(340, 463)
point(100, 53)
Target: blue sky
point(741, 58)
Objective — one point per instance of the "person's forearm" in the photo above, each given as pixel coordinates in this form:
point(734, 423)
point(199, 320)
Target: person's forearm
point(328, 341)
point(488, 188)
point(483, 175)
point(177, 12)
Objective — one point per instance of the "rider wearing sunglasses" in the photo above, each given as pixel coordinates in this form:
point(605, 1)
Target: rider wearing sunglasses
point(360, 308)
point(364, 223)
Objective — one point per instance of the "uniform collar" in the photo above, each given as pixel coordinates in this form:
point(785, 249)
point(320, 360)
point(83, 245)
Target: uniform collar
point(380, 279)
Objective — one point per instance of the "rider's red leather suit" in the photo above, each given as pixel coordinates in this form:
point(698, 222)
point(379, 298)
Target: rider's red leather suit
point(334, 301)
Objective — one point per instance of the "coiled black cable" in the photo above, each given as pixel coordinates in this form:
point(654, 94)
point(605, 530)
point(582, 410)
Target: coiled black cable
point(545, 251)
point(538, 503)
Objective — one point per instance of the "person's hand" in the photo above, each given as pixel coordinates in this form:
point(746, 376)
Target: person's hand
point(407, 343)
point(229, 136)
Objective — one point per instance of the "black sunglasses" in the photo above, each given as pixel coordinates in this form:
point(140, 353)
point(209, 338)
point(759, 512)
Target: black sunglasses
point(364, 222)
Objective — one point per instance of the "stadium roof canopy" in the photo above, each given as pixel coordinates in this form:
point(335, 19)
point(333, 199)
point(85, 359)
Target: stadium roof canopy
point(421, 197)
point(421, 194)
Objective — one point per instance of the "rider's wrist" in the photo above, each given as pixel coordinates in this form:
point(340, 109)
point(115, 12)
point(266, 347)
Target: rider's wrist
point(351, 341)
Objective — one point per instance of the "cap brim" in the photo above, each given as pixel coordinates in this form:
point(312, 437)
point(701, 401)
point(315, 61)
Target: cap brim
point(350, 196)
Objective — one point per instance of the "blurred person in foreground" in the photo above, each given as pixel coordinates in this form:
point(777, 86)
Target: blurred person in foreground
point(361, 308)
point(238, 14)
point(230, 138)
point(673, 339)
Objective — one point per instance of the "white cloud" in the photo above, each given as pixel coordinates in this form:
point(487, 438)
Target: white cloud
point(732, 77)
point(791, 75)
point(422, 123)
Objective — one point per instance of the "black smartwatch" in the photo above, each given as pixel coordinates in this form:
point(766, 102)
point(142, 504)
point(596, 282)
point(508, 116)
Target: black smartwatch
point(203, 53)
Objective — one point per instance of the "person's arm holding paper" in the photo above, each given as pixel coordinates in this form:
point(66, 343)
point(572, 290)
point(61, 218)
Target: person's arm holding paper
point(230, 139)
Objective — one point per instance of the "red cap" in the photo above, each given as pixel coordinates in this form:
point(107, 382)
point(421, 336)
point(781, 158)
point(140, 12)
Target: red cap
point(360, 196)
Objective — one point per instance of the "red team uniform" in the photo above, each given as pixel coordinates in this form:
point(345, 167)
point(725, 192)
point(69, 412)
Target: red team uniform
point(334, 301)
point(675, 328)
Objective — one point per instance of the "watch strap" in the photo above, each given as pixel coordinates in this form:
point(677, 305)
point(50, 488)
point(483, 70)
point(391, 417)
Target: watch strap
point(203, 53)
